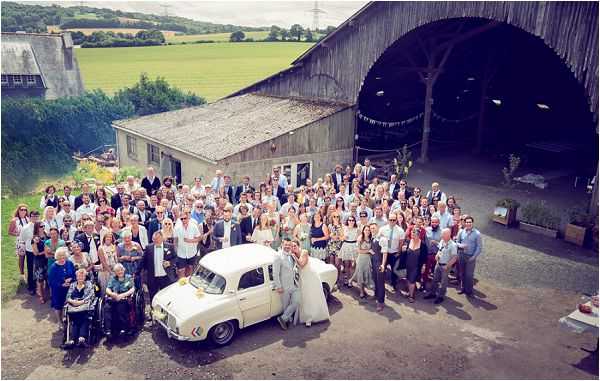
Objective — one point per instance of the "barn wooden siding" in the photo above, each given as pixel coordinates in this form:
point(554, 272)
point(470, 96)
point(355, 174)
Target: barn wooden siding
point(335, 68)
point(332, 133)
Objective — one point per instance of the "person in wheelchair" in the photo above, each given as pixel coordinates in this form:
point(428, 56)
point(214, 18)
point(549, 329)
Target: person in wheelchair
point(78, 308)
point(119, 290)
point(130, 254)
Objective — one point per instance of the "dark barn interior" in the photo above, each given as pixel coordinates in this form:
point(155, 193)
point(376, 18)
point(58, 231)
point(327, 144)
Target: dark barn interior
point(532, 104)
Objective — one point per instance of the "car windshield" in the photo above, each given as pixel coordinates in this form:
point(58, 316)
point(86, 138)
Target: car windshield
point(211, 283)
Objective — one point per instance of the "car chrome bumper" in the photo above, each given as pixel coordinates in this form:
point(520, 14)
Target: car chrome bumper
point(170, 333)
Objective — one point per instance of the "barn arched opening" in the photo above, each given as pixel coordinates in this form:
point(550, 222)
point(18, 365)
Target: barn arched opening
point(498, 90)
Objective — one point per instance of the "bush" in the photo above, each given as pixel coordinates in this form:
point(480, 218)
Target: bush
point(87, 170)
point(128, 171)
point(537, 213)
point(578, 215)
point(508, 203)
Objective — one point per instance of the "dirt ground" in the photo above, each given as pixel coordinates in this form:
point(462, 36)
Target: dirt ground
point(502, 333)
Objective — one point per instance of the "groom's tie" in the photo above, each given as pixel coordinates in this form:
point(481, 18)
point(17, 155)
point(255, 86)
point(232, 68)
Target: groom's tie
point(295, 269)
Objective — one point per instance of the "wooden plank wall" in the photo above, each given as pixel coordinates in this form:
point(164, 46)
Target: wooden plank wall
point(337, 68)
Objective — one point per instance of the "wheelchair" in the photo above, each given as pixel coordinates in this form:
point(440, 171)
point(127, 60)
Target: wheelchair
point(94, 329)
point(136, 314)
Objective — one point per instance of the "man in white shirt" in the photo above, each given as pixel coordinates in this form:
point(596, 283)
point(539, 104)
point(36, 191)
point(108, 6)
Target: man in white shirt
point(291, 202)
point(226, 233)
point(218, 181)
point(131, 185)
point(243, 201)
point(188, 235)
point(65, 211)
point(68, 195)
point(198, 187)
point(26, 236)
point(435, 194)
point(86, 208)
point(394, 236)
point(379, 218)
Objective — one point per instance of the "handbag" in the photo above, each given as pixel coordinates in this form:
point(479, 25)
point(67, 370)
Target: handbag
point(81, 308)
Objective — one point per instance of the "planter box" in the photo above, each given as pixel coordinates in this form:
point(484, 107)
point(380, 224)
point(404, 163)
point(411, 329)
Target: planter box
point(505, 216)
point(538, 229)
point(575, 234)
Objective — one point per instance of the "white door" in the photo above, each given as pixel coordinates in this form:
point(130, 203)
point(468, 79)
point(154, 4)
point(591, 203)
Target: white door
point(254, 297)
point(276, 304)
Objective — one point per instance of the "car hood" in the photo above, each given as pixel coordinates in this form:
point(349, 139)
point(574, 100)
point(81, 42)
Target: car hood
point(183, 301)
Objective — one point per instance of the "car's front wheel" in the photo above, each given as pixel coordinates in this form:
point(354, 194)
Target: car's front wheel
point(223, 333)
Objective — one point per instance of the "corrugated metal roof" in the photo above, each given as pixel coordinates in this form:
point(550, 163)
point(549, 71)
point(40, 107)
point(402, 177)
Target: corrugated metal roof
point(18, 58)
point(228, 126)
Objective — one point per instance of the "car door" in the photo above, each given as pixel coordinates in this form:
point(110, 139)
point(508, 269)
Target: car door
point(276, 304)
point(254, 296)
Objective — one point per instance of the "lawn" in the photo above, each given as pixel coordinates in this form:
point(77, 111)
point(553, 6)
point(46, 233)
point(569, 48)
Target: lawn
point(220, 37)
point(209, 70)
point(10, 269)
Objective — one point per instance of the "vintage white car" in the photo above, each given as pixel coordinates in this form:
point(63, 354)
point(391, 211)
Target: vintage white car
point(230, 289)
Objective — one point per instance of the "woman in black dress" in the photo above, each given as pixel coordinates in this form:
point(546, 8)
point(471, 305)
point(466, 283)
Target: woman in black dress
point(415, 251)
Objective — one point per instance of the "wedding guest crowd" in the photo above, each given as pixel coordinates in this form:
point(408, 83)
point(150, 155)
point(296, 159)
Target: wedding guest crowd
point(373, 229)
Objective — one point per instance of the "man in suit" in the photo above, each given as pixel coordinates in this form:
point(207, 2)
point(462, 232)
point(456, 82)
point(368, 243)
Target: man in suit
point(159, 264)
point(367, 174)
point(116, 201)
point(337, 177)
point(403, 189)
point(379, 246)
point(226, 233)
point(435, 194)
point(89, 241)
point(85, 189)
point(143, 213)
point(151, 183)
point(248, 224)
point(244, 187)
point(156, 221)
point(286, 280)
point(228, 188)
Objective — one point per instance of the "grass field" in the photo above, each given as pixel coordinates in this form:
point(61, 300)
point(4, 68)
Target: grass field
point(10, 269)
point(218, 37)
point(209, 70)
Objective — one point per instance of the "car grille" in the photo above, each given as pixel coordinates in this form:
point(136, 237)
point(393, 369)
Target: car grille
point(171, 322)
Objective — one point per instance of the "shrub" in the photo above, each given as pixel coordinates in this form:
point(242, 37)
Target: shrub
point(578, 215)
point(508, 203)
point(537, 213)
point(128, 171)
point(87, 170)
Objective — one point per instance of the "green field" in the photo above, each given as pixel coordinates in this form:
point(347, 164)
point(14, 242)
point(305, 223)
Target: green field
point(209, 70)
point(218, 37)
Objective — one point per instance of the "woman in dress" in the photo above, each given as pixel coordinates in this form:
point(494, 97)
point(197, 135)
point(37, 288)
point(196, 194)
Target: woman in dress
point(362, 273)
point(349, 250)
point(40, 262)
point(289, 223)
point(451, 204)
point(302, 232)
point(320, 196)
point(52, 244)
point(313, 306)
point(328, 183)
point(107, 253)
point(49, 219)
point(130, 255)
point(104, 207)
point(168, 233)
point(415, 251)
point(18, 222)
point(60, 276)
point(80, 259)
point(80, 293)
point(49, 198)
point(319, 235)
point(336, 238)
point(274, 224)
point(262, 234)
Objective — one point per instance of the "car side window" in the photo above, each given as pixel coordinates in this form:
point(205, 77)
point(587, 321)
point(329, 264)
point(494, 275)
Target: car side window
point(251, 278)
point(271, 273)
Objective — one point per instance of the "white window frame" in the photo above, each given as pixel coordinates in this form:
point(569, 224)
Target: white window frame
point(131, 146)
point(31, 81)
point(4, 80)
point(150, 158)
point(17, 80)
point(294, 171)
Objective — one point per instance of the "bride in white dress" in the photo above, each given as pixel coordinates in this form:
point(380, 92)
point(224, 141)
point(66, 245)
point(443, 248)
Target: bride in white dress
point(313, 306)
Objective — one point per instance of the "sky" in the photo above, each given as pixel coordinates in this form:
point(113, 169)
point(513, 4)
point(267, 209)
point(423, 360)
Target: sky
point(244, 13)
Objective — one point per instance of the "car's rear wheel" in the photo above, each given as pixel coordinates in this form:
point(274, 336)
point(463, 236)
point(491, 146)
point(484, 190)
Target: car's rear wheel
point(326, 291)
point(223, 333)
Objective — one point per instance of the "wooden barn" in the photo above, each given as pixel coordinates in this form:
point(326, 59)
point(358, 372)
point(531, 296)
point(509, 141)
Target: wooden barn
point(504, 77)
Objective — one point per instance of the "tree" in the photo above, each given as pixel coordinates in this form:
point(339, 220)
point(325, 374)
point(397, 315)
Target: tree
point(274, 33)
point(308, 35)
point(237, 36)
point(285, 34)
point(154, 96)
point(329, 29)
point(297, 31)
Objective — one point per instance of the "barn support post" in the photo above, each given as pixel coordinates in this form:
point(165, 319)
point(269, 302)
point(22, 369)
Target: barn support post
point(488, 74)
point(593, 209)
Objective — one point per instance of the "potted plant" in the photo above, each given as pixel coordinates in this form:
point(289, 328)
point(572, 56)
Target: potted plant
point(536, 217)
point(506, 211)
point(580, 223)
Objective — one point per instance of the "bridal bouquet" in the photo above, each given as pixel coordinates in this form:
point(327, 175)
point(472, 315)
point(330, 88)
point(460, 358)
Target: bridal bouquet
point(303, 236)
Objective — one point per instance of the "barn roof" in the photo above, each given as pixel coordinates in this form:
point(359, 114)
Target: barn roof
point(218, 130)
point(18, 58)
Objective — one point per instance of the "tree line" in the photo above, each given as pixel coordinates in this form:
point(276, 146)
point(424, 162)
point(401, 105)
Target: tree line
point(39, 136)
point(296, 33)
point(101, 39)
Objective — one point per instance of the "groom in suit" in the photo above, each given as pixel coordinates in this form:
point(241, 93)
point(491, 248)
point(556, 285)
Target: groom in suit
point(159, 263)
point(286, 276)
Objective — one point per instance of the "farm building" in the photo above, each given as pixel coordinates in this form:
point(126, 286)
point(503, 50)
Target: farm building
point(244, 135)
point(491, 78)
point(39, 65)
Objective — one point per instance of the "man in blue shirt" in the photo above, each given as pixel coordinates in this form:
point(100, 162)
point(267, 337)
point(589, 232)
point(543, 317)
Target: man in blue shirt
point(469, 242)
